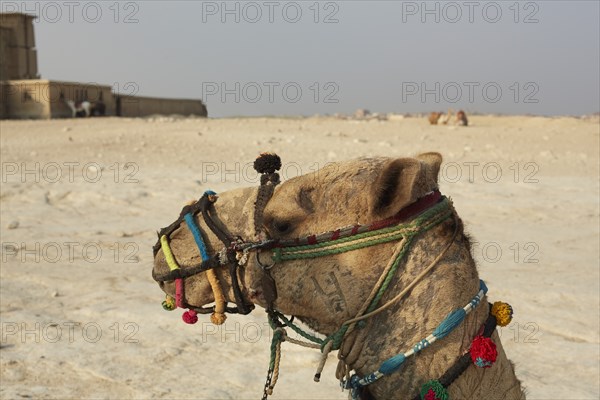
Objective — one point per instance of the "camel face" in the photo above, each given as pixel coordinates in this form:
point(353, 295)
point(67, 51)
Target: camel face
point(233, 209)
point(355, 192)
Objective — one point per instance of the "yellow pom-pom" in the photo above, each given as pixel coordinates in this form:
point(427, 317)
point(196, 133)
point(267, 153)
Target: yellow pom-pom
point(218, 318)
point(503, 313)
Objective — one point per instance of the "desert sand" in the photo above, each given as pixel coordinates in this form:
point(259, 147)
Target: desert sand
point(81, 201)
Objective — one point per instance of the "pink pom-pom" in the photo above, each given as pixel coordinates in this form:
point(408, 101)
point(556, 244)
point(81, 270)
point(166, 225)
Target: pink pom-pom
point(190, 317)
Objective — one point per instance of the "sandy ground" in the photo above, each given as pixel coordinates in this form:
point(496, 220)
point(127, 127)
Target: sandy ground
point(81, 316)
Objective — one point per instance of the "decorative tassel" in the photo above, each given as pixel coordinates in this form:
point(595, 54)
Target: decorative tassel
point(218, 318)
point(190, 317)
point(267, 163)
point(483, 351)
point(392, 364)
point(169, 303)
point(503, 313)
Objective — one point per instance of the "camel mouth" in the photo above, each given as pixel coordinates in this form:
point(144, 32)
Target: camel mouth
point(256, 297)
point(204, 299)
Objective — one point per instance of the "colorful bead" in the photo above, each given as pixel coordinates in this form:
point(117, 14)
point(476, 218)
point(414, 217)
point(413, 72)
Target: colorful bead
point(503, 313)
point(169, 304)
point(433, 390)
point(483, 352)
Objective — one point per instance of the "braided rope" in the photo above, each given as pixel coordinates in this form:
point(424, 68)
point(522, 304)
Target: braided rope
point(343, 362)
point(351, 233)
point(172, 263)
point(406, 233)
point(359, 237)
point(164, 243)
point(301, 343)
point(276, 363)
point(218, 316)
point(365, 239)
point(392, 364)
point(410, 286)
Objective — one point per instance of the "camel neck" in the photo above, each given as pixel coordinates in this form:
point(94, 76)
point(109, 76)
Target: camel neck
point(414, 318)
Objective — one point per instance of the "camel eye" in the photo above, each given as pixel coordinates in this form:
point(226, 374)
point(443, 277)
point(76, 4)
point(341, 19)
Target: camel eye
point(282, 227)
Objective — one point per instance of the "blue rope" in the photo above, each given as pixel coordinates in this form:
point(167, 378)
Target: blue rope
point(392, 364)
point(449, 323)
point(189, 220)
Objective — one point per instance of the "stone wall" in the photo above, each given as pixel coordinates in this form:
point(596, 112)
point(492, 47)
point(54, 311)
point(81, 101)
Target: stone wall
point(23, 99)
point(137, 106)
point(41, 98)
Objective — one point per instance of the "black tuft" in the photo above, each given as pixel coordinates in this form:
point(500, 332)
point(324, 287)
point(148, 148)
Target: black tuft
point(267, 163)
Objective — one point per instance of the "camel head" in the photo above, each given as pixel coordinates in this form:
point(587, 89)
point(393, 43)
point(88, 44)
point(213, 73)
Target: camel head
point(231, 213)
point(325, 291)
point(334, 223)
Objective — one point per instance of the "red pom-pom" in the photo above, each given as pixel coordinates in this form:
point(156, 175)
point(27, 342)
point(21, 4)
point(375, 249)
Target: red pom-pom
point(483, 352)
point(430, 395)
point(190, 317)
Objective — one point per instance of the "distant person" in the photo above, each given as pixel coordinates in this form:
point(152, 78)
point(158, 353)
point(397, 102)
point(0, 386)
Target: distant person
point(461, 118)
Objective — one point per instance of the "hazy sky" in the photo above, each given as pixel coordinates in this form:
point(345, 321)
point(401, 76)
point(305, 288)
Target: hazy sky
point(307, 57)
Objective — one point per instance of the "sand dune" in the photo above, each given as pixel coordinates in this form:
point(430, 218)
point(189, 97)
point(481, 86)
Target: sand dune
point(81, 201)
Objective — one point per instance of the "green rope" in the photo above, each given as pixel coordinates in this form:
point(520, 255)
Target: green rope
point(388, 278)
point(298, 330)
point(378, 237)
point(338, 250)
point(409, 231)
point(392, 271)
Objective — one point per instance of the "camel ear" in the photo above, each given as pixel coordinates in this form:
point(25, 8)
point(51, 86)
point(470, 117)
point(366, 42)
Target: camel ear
point(432, 163)
point(395, 187)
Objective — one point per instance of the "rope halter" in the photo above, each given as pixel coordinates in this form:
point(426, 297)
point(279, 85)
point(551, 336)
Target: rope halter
point(234, 253)
point(228, 256)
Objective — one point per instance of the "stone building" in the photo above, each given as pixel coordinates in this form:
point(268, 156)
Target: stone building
point(24, 95)
point(18, 57)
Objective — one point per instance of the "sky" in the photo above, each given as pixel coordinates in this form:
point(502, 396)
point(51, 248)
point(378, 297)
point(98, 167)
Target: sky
point(306, 57)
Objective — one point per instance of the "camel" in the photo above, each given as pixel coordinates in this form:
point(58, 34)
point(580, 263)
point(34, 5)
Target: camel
point(325, 292)
point(86, 108)
point(82, 108)
point(434, 117)
point(439, 118)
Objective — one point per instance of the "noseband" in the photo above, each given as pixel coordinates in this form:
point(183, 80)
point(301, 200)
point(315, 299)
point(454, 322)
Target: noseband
point(234, 253)
point(227, 256)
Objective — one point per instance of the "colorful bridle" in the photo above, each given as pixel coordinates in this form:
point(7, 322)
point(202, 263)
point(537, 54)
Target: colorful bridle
point(226, 257)
point(233, 255)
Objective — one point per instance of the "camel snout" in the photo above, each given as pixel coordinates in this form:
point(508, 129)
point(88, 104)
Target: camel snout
point(256, 296)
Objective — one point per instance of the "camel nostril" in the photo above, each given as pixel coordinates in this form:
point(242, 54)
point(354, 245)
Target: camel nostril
point(254, 294)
